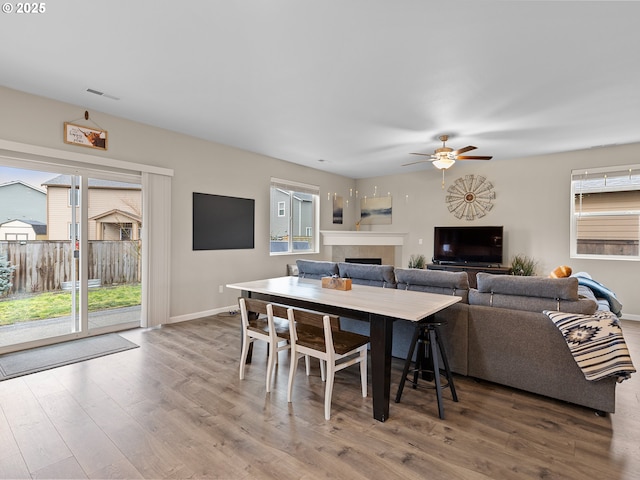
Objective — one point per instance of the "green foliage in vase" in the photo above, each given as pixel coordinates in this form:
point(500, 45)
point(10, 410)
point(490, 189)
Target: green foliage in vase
point(417, 261)
point(523, 265)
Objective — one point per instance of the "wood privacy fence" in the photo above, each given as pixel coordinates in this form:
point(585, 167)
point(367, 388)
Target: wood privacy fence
point(44, 265)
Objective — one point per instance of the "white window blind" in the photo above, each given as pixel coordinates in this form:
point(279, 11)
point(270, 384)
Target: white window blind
point(605, 206)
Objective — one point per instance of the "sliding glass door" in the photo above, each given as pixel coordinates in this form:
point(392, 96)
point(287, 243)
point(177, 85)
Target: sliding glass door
point(70, 253)
point(114, 255)
point(39, 274)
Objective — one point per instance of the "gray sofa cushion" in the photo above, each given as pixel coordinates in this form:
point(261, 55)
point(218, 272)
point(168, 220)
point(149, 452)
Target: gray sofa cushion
point(363, 274)
point(434, 281)
point(316, 269)
point(531, 303)
point(544, 287)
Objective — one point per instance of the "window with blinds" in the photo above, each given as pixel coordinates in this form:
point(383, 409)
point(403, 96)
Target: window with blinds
point(606, 212)
point(294, 218)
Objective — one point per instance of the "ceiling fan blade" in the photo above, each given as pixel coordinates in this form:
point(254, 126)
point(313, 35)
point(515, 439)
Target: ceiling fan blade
point(425, 154)
point(472, 157)
point(414, 163)
point(463, 149)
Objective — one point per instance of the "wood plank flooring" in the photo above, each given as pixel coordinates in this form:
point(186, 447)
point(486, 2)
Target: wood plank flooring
point(175, 408)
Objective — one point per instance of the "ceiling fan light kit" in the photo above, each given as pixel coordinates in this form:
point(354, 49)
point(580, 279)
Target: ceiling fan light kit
point(443, 163)
point(444, 157)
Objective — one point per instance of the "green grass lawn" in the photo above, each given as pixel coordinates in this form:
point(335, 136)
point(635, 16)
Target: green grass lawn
point(58, 304)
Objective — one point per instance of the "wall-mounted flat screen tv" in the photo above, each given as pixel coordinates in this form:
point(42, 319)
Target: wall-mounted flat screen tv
point(222, 223)
point(480, 246)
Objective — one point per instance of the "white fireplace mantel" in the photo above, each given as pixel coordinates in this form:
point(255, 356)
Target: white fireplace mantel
point(352, 237)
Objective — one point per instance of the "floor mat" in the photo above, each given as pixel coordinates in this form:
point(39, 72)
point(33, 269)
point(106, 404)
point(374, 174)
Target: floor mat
point(44, 358)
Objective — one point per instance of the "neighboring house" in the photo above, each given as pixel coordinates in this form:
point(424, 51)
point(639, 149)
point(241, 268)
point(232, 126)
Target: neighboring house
point(608, 222)
point(281, 204)
point(298, 206)
point(116, 225)
point(280, 201)
point(21, 201)
point(115, 209)
point(23, 230)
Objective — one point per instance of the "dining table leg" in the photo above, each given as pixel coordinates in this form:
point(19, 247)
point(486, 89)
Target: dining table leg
point(381, 338)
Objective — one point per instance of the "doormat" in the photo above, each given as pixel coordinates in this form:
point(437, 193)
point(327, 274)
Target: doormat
point(38, 359)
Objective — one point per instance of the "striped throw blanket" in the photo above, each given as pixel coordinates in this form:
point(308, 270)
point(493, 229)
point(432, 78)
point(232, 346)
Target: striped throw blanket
point(596, 343)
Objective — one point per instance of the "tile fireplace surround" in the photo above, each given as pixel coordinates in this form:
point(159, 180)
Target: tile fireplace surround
point(358, 244)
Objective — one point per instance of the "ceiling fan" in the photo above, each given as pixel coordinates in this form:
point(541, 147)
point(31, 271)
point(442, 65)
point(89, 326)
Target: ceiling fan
point(444, 157)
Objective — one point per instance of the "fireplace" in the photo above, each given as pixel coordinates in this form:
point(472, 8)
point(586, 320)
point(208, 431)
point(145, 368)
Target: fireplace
point(368, 261)
point(349, 246)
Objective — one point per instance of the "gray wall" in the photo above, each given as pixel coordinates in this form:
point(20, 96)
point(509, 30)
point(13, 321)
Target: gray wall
point(199, 166)
point(532, 200)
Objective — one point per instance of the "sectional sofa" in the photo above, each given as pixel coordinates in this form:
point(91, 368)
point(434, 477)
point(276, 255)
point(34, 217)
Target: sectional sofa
point(497, 332)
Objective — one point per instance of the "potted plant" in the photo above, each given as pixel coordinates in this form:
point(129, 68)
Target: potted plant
point(523, 265)
point(417, 261)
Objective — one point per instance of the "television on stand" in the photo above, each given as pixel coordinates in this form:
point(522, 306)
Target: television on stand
point(473, 246)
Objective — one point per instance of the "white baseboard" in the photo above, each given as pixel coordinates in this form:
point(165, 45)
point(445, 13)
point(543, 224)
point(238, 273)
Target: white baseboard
point(631, 316)
point(206, 313)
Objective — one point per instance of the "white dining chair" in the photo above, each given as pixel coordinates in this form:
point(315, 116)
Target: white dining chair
point(266, 322)
point(315, 335)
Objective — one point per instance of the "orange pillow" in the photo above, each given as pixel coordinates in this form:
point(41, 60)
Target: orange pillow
point(561, 272)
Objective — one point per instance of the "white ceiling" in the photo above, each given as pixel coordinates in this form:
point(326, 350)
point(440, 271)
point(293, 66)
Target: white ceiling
point(358, 84)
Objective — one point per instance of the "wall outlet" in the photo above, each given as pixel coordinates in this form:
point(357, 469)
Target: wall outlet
point(220, 289)
point(419, 241)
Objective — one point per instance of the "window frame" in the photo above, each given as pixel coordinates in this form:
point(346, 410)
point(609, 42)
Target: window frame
point(128, 229)
point(292, 188)
point(76, 192)
point(600, 176)
point(19, 237)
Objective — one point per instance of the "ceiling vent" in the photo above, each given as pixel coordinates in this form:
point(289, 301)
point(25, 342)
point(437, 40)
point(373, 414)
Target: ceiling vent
point(102, 94)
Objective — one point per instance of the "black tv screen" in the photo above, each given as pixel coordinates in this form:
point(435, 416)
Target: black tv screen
point(468, 245)
point(222, 223)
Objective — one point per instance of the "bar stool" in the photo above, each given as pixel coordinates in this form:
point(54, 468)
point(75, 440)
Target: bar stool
point(427, 363)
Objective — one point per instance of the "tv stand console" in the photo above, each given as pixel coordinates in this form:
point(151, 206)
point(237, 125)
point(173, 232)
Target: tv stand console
point(470, 269)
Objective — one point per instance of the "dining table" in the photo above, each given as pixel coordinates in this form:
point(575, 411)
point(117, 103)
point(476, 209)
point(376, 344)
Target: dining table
point(381, 307)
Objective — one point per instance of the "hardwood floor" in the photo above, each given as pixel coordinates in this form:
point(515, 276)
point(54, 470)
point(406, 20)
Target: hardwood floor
point(175, 408)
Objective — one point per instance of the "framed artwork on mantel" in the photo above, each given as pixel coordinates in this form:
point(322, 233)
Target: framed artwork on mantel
point(375, 211)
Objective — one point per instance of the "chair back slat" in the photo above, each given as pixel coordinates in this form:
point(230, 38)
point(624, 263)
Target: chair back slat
point(260, 307)
point(254, 305)
point(279, 311)
point(315, 319)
